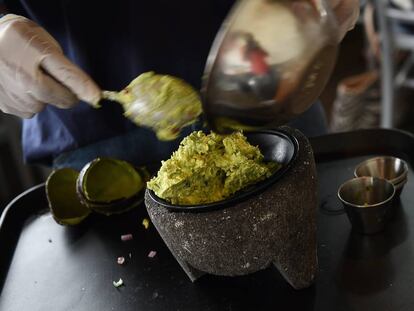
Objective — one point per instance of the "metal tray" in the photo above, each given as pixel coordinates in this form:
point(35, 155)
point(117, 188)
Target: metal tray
point(44, 266)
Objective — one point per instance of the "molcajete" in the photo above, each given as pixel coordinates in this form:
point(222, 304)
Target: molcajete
point(272, 224)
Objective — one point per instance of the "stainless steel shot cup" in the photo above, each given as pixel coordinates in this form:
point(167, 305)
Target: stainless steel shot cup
point(390, 168)
point(367, 202)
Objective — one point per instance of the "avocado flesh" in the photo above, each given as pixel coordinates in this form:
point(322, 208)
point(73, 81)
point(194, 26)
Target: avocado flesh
point(163, 103)
point(210, 168)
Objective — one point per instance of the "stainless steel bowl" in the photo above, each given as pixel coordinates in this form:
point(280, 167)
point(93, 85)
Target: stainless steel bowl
point(367, 202)
point(393, 169)
point(269, 63)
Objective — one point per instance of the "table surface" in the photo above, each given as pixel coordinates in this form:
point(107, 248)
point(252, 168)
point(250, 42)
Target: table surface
point(44, 266)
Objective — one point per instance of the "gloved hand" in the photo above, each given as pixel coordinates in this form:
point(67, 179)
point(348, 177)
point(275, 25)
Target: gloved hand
point(34, 72)
point(347, 12)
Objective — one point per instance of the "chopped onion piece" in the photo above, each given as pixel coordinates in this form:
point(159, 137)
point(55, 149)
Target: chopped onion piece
point(126, 237)
point(119, 283)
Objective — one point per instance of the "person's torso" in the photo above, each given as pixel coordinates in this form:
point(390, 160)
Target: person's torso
point(114, 41)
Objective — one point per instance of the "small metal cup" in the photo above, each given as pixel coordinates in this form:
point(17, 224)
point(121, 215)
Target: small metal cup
point(392, 169)
point(367, 202)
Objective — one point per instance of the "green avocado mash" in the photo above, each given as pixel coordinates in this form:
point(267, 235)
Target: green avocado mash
point(163, 103)
point(210, 168)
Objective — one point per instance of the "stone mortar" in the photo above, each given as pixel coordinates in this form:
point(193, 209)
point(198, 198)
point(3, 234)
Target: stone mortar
point(276, 226)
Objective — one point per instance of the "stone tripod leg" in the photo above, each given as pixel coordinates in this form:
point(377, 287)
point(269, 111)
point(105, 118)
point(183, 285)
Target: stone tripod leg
point(192, 273)
point(297, 268)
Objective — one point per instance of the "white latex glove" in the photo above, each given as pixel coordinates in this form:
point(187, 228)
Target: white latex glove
point(34, 72)
point(346, 12)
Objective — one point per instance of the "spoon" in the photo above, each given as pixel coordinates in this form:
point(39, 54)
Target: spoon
point(163, 103)
point(269, 62)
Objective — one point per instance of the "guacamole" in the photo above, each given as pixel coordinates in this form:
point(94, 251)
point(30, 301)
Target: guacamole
point(210, 168)
point(163, 103)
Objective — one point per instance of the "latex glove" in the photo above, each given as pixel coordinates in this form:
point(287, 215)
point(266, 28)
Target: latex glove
point(347, 12)
point(34, 71)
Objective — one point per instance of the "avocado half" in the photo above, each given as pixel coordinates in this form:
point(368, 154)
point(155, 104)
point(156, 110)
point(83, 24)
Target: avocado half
point(110, 186)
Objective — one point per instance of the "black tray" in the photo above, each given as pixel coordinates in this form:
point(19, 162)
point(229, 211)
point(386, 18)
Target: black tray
point(44, 266)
